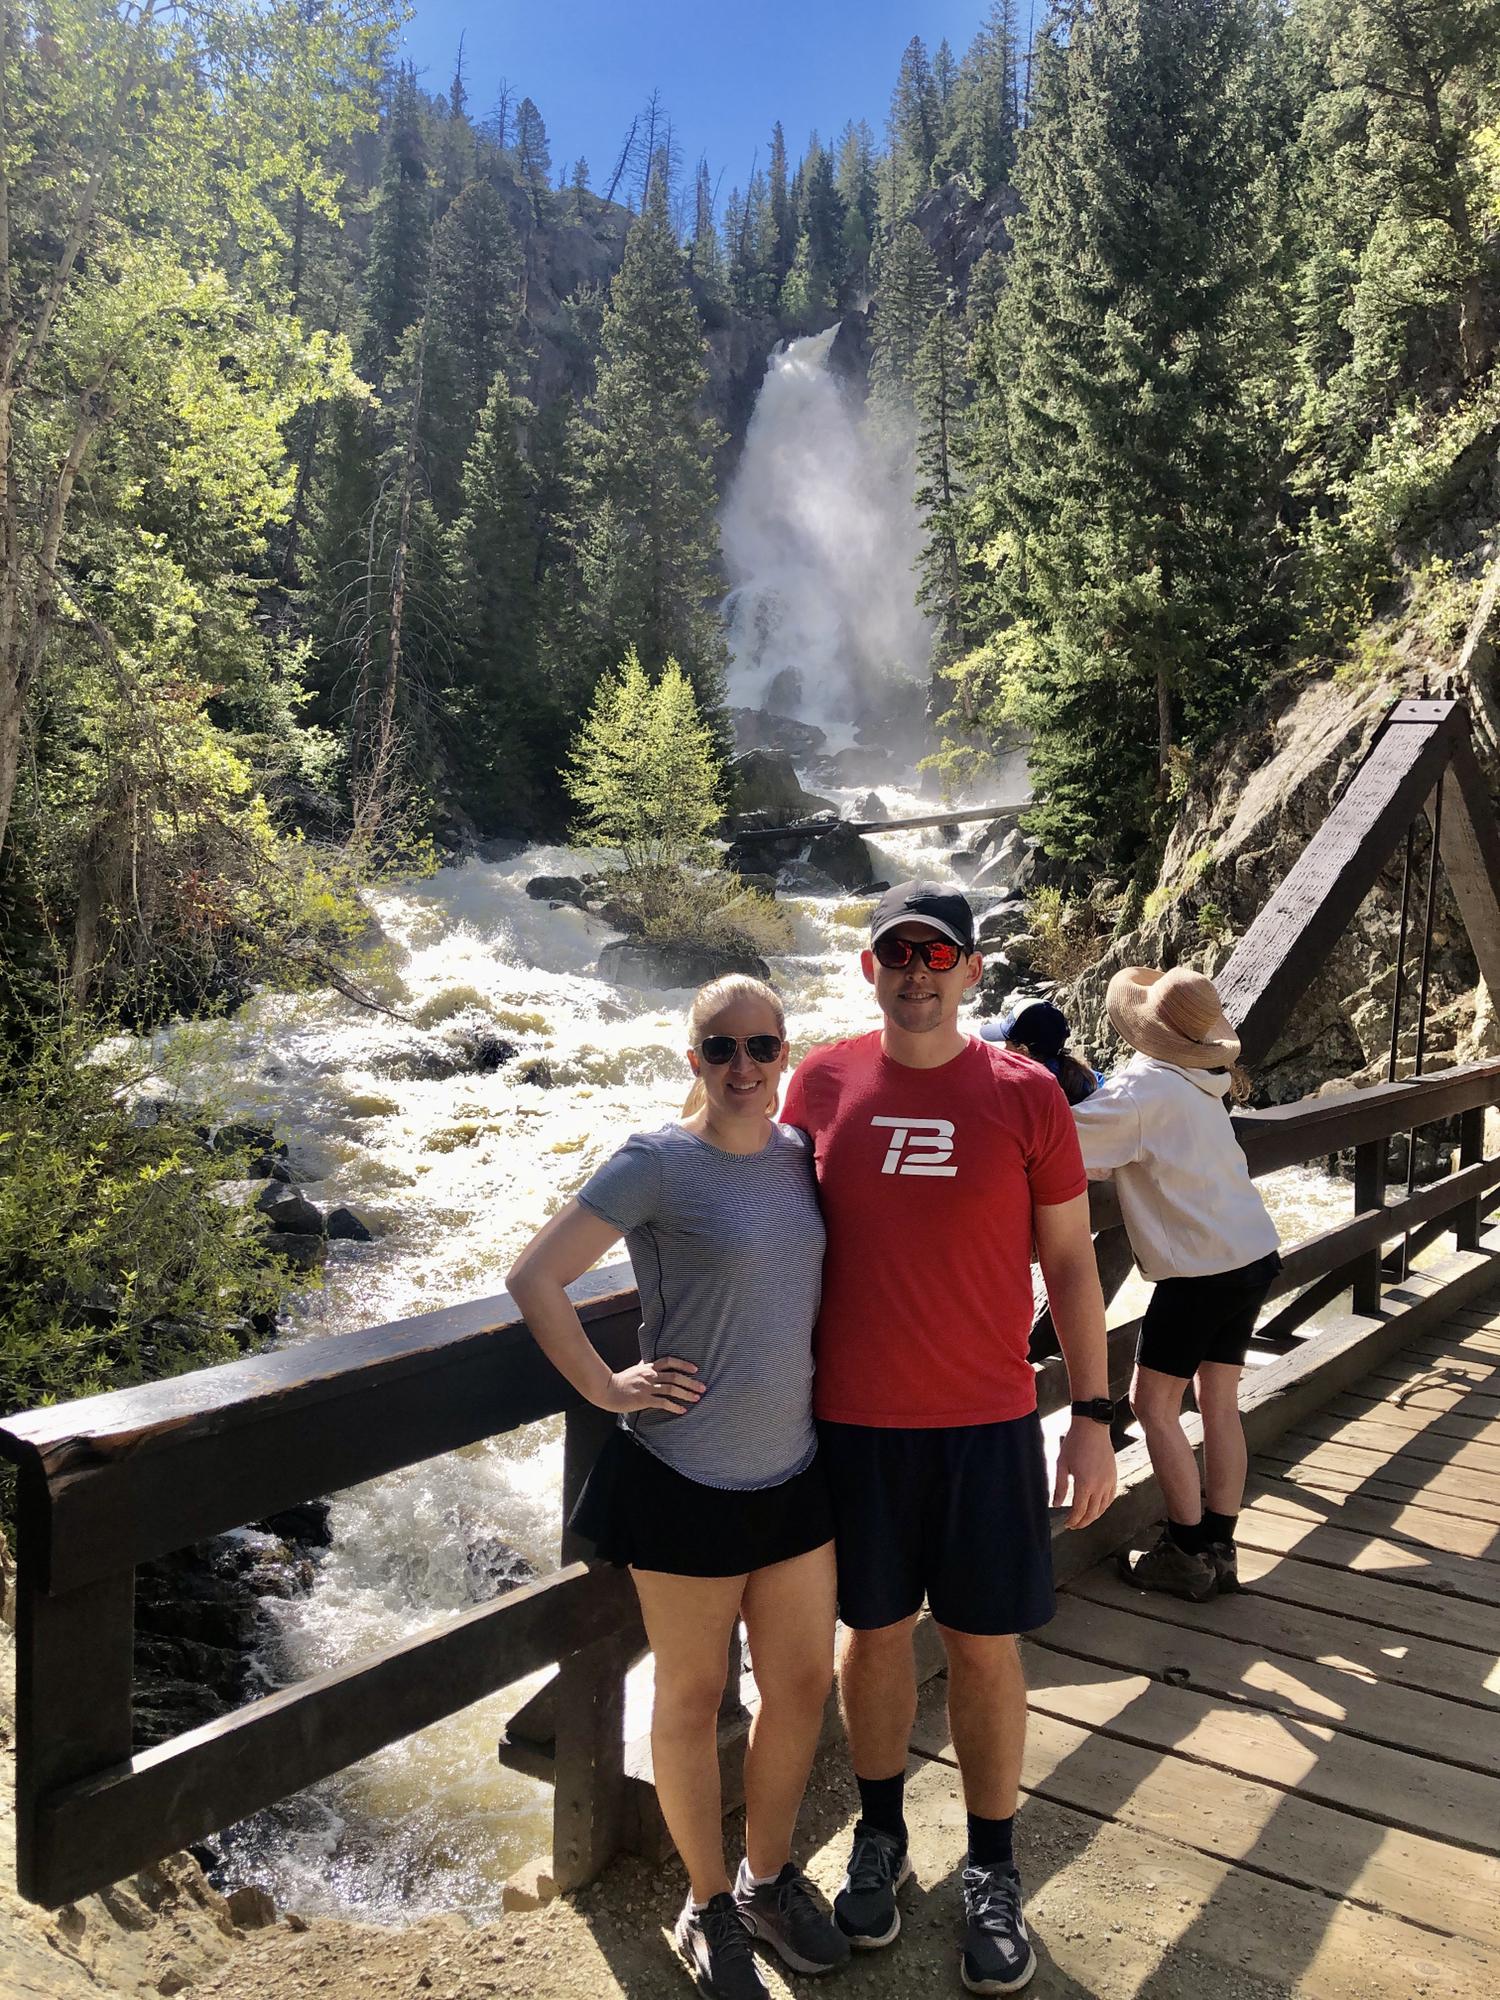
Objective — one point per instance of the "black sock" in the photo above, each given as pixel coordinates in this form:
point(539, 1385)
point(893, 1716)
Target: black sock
point(1219, 1527)
point(1189, 1537)
point(990, 1842)
point(880, 1805)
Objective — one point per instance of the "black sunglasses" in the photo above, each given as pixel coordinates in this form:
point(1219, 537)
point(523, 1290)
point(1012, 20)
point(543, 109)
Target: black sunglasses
point(937, 954)
point(719, 1049)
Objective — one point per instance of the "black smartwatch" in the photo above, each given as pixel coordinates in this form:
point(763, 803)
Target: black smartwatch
point(1100, 1408)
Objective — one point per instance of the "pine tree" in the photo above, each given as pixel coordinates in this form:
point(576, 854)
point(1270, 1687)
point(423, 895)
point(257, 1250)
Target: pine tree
point(396, 275)
point(506, 730)
point(706, 257)
point(823, 223)
point(941, 393)
point(915, 132)
point(643, 770)
point(648, 457)
point(533, 156)
point(476, 272)
point(1122, 445)
point(580, 185)
point(985, 111)
point(854, 179)
point(783, 212)
point(907, 294)
point(807, 296)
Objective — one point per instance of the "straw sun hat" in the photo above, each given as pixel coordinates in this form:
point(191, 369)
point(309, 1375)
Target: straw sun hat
point(1175, 1016)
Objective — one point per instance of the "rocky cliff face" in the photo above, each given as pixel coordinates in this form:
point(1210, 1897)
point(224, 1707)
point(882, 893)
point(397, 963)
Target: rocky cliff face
point(570, 256)
point(1248, 814)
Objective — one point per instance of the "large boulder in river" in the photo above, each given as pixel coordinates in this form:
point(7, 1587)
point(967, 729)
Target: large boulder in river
point(641, 962)
point(842, 854)
point(290, 1213)
point(759, 729)
point(555, 889)
point(765, 782)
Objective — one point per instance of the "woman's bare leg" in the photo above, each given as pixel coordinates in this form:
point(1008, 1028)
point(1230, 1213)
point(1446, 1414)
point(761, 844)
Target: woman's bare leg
point(789, 1617)
point(688, 1622)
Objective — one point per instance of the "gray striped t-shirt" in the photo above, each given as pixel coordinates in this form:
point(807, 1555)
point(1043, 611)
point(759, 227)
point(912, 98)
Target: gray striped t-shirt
point(727, 1250)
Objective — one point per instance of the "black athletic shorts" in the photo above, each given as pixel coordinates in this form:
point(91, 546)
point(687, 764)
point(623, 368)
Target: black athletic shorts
point(957, 1515)
point(1193, 1320)
point(642, 1514)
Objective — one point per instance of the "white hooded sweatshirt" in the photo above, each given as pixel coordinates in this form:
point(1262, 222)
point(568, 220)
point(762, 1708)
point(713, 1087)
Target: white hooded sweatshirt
point(1163, 1135)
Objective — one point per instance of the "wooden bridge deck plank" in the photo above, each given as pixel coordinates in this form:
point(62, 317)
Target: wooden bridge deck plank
point(1473, 1426)
point(1118, 1910)
point(1347, 1469)
point(1421, 1732)
point(1079, 1760)
point(1389, 1602)
point(1402, 1659)
point(1324, 1541)
point(1396, 1443)
point(1403, 1518)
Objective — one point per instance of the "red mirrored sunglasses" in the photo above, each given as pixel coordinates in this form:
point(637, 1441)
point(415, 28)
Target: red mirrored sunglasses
point(937, 954)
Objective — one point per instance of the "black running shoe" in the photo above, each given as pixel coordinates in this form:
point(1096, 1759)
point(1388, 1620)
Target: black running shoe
point(865, 1908)
point(997, 1955)
point(716, 1949)
point(1225, 1558)
point(786, 1915)
point(1169, 1568)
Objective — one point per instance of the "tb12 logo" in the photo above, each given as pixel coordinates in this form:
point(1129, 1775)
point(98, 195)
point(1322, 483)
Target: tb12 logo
point(918, 1146)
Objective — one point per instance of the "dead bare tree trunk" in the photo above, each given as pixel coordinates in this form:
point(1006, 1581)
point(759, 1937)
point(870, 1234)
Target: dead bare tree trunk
point(378, 755)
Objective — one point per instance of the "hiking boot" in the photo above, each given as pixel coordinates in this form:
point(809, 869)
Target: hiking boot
point(716, 1949)
point(997, 1956)
point(786, 1915)
point(1169, 1568)
point(865, 1908)
point(1225, 1558)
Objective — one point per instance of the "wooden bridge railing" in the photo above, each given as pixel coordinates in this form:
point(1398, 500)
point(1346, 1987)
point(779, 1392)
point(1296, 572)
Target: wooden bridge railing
point(111, 1481)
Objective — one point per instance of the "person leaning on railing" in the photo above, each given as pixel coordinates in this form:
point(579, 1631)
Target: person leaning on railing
point(711, 1491)
point(1160, 1129)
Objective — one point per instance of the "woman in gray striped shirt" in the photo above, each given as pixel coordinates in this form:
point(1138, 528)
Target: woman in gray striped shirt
point(710, 1491)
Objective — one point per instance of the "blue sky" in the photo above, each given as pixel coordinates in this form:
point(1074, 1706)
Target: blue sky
point(726, 72)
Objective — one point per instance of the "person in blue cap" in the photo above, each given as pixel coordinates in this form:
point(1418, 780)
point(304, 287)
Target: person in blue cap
point(1041, 1032)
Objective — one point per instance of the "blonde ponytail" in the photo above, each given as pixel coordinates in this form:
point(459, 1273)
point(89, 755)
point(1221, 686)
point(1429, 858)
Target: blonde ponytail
point(710, 1000)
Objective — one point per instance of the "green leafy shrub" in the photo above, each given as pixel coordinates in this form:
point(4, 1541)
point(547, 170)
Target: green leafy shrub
point(1068, 936)
point(669, 905)
point(118, 1263)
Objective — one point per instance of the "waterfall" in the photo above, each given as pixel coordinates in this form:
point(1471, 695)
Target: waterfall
point(820, 538)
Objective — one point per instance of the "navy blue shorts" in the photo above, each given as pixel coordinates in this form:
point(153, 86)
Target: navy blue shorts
point(957, 1515)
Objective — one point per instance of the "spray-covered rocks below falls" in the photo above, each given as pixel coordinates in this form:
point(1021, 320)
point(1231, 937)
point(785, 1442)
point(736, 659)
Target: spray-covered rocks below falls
point(1247, 814)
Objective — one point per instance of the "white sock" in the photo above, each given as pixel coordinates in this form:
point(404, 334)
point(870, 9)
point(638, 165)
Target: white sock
point(745, 1880)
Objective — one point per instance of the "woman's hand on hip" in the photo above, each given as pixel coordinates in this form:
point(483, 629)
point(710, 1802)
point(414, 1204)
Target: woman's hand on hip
point(663, 1384)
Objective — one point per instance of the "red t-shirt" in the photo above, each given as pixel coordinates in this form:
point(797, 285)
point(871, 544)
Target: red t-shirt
point(928, 1179)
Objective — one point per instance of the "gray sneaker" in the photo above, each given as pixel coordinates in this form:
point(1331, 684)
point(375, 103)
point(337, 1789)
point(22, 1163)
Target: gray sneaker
point(786, 1915)
point(1225, 1558)
point(865, 1908)
point(1169, 1568)
point(717, 1950)
point(997, 1955)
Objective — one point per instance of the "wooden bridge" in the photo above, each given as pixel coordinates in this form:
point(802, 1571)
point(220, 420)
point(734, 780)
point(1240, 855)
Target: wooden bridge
point(1295, 1784)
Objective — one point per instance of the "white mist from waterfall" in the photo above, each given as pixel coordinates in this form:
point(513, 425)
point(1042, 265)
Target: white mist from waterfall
point(820, 539)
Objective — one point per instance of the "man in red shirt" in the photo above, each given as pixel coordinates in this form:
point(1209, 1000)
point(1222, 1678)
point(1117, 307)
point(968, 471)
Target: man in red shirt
point(941, 1161)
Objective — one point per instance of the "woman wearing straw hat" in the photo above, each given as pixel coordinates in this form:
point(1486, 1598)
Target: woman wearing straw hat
point(1160, 1128)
